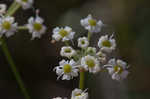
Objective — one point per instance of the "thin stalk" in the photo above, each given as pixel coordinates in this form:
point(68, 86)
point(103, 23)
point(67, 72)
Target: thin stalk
point(12, 9)
point(22, 28)
point(89, 35)
point(82, 73)
point(13, 68)
point(82, 78)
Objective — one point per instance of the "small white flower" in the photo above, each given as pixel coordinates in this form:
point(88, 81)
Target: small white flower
point(25, 3)
point(91, 50)
point(67, 69)
point(79, 94)
point(107, 44)
point(90, 63)
point(7, 26)
point(67, 51)
point(83, 42)
point(57, 98)
point(117, 69)
point(3, 8)
point(101, 56)
point(91, 24)
point(36, 27)
point(63, 34)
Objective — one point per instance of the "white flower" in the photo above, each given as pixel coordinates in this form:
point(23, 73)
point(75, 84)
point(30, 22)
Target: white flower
point(107, 44)
point(3, 8)
point(90, 63)
point(57, 98)
point(91, 50)
point(67, 69)
point(79, 94)
point(83, 42)
point(67, 51)
point(25, 3)
point(91, 24)
point(101, 56)
point(63, 34)
point(36, 27)
point(117, 69)
point(7, 26)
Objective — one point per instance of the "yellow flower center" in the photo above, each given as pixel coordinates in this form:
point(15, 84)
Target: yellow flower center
point(68, 50)
point(82, 42)
point(25, 0)
point(63, 32)
point(37, 26)
point(77, 94)
point(118, 69)
point(92, 22)
point(106, 43)
point(6, 25)
point(90, 50)
point(100, 54)
point(90, 63)
point(67, 68)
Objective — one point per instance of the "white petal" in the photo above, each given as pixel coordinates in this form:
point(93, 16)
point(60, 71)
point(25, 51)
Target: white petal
point(31, 20)
point(66, 77)
point(62, 62)
point(39, 20)
point(112, 61)
point(124, 74)
point(67, 28)
point(121, 63)
point(115, 76)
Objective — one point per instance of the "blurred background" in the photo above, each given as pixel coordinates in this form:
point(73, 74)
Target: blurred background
point(35, 59)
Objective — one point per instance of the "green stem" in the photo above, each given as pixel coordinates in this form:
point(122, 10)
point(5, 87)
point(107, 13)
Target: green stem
point(81, 82)
point(12, 9)
point(22, 28)
point(82, 74)
point(89, 35)
point(13, 68)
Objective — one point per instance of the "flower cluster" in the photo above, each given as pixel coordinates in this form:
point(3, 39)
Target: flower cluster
point(87, 58)
point(8, 26)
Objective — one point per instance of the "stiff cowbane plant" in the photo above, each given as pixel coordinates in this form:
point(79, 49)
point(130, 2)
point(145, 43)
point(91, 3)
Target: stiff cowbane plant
point(87, 58)
point(79, 59)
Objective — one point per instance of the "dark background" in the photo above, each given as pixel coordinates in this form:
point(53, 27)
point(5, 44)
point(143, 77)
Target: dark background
point(35, 59)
